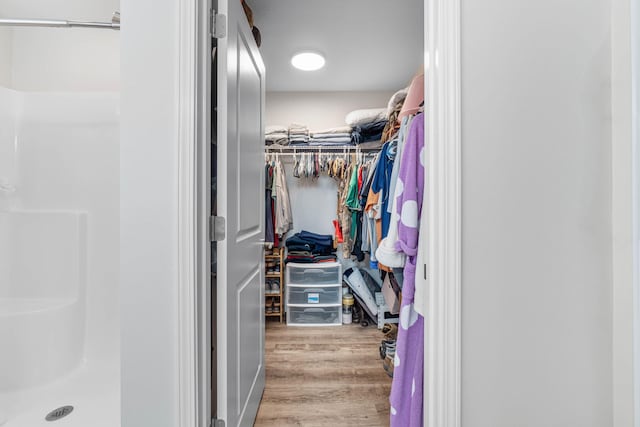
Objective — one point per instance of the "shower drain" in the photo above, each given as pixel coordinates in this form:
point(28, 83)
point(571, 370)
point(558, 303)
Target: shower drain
point(58, 413)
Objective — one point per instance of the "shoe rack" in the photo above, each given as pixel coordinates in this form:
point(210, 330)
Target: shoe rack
point(274, 283)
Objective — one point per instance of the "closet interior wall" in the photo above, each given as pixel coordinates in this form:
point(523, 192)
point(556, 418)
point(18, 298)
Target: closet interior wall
point(314, 200)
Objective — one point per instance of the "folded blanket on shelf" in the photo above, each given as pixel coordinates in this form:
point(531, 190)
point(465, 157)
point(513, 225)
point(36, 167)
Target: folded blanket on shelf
point(331, 135)
point(330, 131)
point(369, 115)
point(277, 138)
point(331, 141)
point(368, 132)
point(275, 129)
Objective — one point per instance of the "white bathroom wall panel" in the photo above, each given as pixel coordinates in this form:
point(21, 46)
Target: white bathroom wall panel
point(10, 106)
point(67, 159)
point(6, 56)
point(59, 59)
point(536, 197)
point(50, 59)
point(319, 110)
point(92, 10)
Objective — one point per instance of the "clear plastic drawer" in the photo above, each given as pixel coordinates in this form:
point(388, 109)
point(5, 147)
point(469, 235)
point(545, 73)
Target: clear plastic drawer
point(314, 316)
point(314, 274)
point(314, 295)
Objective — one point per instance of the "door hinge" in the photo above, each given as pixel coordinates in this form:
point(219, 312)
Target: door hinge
point(217, 24)
point(216, 228)
point(217, 423)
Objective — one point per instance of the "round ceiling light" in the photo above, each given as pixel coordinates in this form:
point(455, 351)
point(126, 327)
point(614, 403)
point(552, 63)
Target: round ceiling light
point(308, 61)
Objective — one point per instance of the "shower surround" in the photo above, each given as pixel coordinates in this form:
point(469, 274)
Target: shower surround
point(59, 240)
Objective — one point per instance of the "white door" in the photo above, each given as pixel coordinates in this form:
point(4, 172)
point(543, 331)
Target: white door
point(240, 200)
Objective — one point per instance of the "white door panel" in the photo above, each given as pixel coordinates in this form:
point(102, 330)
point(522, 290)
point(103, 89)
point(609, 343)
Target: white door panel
point(240, 311)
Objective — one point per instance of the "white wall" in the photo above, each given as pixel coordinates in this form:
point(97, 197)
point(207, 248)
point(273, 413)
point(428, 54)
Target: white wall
point(319, 110)
point(148, 213)
point(537, 275)
point(49, 59)
point(59, 59)
point(313, 201)
point(6, 55)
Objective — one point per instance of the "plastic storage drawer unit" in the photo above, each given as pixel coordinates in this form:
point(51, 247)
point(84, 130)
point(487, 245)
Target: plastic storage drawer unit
point(314, 294)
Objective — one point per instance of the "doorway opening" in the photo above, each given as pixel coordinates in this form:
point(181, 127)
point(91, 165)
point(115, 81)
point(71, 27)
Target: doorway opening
point(386, 61)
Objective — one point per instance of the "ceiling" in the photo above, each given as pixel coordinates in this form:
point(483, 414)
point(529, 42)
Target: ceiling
point(369, 45)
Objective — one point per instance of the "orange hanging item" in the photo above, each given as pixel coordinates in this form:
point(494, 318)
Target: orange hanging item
point(338, 231)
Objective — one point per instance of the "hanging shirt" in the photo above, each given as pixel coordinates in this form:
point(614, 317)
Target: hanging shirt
point(402, 134)
point(381, 180)
point(284, 218)
point(269, 226)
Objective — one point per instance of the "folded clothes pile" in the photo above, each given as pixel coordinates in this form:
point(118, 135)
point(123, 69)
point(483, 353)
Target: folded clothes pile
point(298, 134)
point(368, 132)
point(367, 125)
point(276, 135)
point(331, 137)
point(308, 247)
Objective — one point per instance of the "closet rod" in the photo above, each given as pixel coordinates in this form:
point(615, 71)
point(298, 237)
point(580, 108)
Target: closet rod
point(319, 149)
point(113, 25)
point(276, 153)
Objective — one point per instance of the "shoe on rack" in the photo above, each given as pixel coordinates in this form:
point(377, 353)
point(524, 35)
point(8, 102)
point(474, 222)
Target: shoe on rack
point(269, 306)
point(275, 288)
point(387, 347)
point(387, 364)
point(390, 331)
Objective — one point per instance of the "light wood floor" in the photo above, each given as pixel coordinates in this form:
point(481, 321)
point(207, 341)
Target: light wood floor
point(328, 376)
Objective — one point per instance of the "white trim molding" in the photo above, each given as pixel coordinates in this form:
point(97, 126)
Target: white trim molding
point(187, 217)
point(624, 166)
point(442, 395)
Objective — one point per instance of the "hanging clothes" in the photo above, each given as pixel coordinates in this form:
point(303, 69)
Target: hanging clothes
point(269, 229)
point(387, 252)
point(382, 179)
point(284, 218)
point(344, 213)
point(408, 377)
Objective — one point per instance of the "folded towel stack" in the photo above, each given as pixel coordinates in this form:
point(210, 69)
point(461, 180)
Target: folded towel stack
point(331, 137)
point(276, 135)
point(298, 134)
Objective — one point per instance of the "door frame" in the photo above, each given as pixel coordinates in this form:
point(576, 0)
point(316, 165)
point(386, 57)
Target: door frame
point(443, 137)
point(194, 311)
point(443, 352)
point(624, 216)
